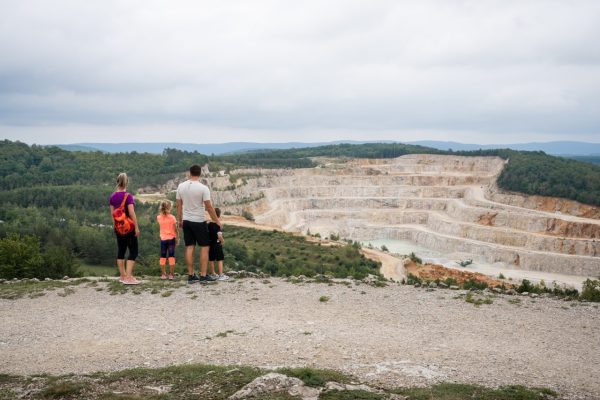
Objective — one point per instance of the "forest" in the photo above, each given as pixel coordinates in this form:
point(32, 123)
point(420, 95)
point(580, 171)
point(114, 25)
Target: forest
point(54, 216)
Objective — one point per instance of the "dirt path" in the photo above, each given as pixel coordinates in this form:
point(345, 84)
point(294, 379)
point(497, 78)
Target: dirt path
point(396, 335)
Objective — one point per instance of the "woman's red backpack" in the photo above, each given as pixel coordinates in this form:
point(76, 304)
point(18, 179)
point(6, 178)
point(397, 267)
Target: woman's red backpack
point(123, 224)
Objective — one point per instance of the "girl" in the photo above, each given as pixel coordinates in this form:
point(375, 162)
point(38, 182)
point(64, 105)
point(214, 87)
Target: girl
point(168, 238)
point(128, 240)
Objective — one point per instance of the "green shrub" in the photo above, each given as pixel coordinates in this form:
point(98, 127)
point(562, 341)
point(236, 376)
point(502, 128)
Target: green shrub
point(412, 279)
point(415, 259)
point(471, 284)
point(591, 290)
point(248, 215)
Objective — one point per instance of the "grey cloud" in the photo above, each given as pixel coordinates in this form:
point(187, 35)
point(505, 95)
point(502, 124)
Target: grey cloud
point(498, 67)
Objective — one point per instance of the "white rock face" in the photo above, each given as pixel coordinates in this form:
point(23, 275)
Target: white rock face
point(445, 203)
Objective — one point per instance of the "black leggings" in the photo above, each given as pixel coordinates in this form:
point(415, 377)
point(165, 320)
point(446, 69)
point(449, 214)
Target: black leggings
point(128, 241)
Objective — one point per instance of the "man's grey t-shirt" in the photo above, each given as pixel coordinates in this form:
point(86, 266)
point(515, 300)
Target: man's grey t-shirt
point(193, 194)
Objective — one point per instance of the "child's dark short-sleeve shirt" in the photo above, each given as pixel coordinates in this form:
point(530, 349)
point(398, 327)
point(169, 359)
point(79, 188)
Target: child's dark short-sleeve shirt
point(213, 232)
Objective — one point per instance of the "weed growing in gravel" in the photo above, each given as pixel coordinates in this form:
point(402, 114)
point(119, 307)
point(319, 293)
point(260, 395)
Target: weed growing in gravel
point(514, 301)
point(477, 300)
point(324, 299)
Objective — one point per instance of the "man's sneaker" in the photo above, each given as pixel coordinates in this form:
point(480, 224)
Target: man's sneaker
point(207, 278)
point(193, 278)
point(222, 277)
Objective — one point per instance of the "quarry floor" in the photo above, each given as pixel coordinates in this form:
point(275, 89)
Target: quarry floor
point(391, 336)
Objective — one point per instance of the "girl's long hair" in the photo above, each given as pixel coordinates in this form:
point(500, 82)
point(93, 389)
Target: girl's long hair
point(165, 207)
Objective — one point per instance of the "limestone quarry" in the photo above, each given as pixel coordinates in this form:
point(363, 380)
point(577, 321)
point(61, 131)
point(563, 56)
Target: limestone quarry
point(449, 204)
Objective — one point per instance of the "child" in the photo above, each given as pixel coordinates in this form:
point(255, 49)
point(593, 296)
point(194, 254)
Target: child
point(215, 252)
point(168, 238)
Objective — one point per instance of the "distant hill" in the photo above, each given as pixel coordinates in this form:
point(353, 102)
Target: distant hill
point(566, 148)
point(208, 148)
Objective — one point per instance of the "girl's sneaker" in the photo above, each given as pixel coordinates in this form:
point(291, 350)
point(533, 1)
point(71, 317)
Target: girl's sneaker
point(163, 277)
point(171, 277)
point(222, 277)
point(122, 279)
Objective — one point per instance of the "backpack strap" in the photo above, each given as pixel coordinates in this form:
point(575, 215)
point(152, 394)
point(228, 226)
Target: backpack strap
point(124, 200)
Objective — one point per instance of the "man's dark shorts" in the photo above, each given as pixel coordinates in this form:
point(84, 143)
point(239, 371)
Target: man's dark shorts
point(195, 233)
point(215, 253)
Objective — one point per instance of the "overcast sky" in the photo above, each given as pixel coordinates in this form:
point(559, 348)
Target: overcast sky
point(275, 71)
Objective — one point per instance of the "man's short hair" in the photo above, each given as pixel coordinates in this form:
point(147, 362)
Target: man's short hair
point(195, 170)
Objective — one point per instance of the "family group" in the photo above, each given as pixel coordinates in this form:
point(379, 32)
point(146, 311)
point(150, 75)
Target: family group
point(193, 201)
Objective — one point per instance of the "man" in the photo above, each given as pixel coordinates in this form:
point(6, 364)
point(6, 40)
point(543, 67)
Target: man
point(193, 198)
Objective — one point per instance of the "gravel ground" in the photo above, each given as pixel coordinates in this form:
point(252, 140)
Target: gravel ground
point(392, 336)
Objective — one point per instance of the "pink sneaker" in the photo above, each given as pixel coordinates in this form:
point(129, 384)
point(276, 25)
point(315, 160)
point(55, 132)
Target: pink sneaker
point(171, 277)
point(131, 281)
point(163, 277)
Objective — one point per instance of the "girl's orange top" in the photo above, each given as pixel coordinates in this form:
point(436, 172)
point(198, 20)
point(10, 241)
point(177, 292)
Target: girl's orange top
point(168, 226)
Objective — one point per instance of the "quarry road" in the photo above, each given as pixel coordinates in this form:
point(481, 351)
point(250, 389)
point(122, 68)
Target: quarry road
point(393, 336)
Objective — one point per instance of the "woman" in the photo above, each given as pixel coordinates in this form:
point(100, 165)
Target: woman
point(130, 239)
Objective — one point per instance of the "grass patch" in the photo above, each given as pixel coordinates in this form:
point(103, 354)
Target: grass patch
point(66, 292)
point(32, 289)
point(97, 270)
point(217, 382)
point(514, 301)
point(61, 390)
point(210, 382)
point(154, 285)
point(315, 377)
point(351, 395)
point(454, 391)
point(477, 300)
point(324, 299)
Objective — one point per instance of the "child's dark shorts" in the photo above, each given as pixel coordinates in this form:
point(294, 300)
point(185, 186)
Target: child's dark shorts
point(215, 252)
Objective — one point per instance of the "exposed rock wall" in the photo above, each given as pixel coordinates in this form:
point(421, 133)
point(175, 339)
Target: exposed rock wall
point(445, 203)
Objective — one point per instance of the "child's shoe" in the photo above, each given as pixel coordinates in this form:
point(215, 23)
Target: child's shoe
point(222, 277)
point(171, 277)
point(163, 277)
